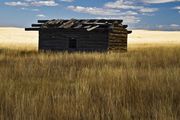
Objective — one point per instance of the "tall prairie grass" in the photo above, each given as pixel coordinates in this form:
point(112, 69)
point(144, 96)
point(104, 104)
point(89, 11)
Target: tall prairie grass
point(142, 84)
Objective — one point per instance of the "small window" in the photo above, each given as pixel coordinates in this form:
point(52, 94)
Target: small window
point(72, 43)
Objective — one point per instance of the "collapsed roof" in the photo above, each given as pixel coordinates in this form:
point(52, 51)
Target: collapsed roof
point(88, 24)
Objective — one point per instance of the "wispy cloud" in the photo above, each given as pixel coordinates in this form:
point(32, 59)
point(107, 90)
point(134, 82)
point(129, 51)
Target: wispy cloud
point(126, 19)
point(100, 11)
point(44, 3)
point(30, 9)
point(27, 3)
point(105, 13)
point(18, 3)
point(158, 1)
point(148, 10)
point(177, 7)
point(41, 16)
point(67, 0)
point(172, 26)
point(175, 25)
point(94, 10)
point(119, 9)
point(120, 4)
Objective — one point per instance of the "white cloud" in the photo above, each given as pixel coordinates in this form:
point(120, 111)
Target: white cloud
point(36, 10)
point(168, 27)
point(94, 10)
point(126, 19)
point(131, 19)
point(120, 4)
point(27, 3)
point(177, 8)
point(105, 13)
point(29, 9)
point(148, 10)
point(67, 0)
point(119, 9)
point(174, 25)
point(159, 1)
point(18, 3)
point(41, 15)
point(44, 3)
point(100, 11)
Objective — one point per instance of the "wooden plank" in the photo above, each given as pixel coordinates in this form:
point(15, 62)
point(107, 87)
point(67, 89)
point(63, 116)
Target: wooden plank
point(129, 32)
point(54, 41)
point(53, 48)
point(66, 42)
point(78, 26)
point(119, 31)
point(117, 44)
point(32, 29)
point(113, 35)
point(125, 26)
point(42, 21)
point(36, 25)
point(120, 40)
point(121, 35)
point(117, 37)
point(120, 28)
point(67, 24)
point(88, 26)
point(117, 48)
point(54, 45)
point(92, 28)
point(93, 47)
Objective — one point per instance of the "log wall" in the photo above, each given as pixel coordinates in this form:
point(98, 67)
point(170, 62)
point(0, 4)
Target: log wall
point(118, 39)
point(86, 41)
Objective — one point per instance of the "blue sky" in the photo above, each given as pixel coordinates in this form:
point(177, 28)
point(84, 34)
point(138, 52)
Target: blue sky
point(142, 14)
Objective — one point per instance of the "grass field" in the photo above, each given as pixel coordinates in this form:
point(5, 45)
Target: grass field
point(142, 84)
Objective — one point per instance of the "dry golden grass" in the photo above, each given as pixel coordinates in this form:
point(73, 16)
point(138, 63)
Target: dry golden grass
point(142, 84)
point(154, 37)
point(18, 38)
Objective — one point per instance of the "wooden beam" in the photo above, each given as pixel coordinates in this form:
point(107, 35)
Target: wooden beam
point(125, 26)
point(36, 25)
point(94, 23)
point(78, 26)
point(129, 32)
point(92, 28)
point(42, 21)
point(32, 29)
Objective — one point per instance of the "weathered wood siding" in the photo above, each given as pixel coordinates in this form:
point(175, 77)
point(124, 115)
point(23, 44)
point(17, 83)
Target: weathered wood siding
point(118, 39)
point(55, 39)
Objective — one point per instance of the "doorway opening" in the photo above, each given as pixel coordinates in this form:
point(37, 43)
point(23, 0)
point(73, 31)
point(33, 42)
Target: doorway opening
point(72, 43)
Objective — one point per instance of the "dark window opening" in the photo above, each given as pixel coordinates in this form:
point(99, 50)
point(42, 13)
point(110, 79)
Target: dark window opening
point(72, 43)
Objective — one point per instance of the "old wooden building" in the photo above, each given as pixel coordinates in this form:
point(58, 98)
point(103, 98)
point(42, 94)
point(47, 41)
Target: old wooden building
point(81, 35)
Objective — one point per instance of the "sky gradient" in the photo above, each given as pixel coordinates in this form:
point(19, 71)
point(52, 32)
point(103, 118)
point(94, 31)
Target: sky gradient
point(138, 14)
